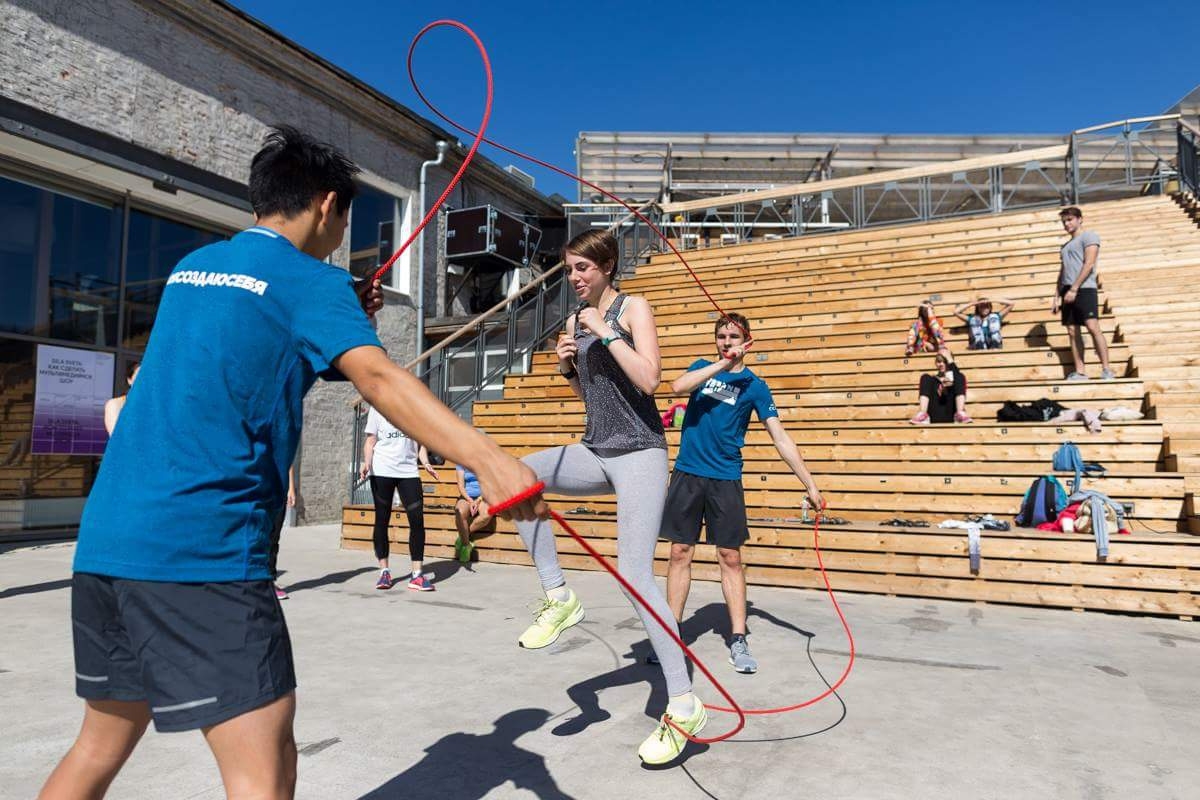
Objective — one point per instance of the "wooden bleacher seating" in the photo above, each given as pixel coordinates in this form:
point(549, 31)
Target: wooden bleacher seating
point(829, 315)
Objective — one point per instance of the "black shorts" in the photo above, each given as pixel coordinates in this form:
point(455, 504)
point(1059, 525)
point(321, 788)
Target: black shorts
point(1085, 307)
point(198, 653)
point(719, 505)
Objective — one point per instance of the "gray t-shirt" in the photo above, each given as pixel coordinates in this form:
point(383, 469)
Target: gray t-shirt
point(1072, 260)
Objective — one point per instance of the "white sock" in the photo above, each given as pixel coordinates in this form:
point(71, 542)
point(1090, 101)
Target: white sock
point(416, 573)
point(682, 706)
point(560, 594)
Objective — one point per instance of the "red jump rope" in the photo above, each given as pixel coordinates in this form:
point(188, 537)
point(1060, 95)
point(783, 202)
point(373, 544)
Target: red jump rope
point(533, 491)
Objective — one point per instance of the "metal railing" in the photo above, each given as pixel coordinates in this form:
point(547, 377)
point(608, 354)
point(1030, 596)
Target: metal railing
point(1136, 154)
point(1188, 143)
point(1129, 156)
point(981, 185)
point(471, 363)
point(635, 238)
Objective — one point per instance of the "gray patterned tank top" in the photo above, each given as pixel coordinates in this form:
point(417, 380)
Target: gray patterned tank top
point(620, 416)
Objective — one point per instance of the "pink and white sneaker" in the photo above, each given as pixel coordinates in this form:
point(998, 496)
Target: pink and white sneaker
point(420, 583)
point(919, 419)
point(963, 418)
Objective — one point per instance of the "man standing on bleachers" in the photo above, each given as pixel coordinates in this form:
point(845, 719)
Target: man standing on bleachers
point(1078, 295)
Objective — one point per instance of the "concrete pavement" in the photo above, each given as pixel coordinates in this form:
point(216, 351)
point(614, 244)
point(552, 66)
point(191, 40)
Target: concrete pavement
point(427, 695)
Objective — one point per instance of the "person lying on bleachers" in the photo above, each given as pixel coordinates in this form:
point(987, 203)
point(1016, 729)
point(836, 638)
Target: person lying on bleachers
point(926, 334)
point(943, 394)
point(983, 326)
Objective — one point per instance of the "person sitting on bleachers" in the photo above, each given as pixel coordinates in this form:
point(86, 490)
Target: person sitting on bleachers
point(983, 326)
point(926, 334)
point(944, 394)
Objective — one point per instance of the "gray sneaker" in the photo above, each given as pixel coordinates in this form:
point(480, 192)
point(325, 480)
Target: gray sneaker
point(1077, 376)
point(739, 656)
point(1107, 375)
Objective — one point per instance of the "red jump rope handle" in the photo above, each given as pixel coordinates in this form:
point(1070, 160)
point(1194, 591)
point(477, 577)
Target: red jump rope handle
point(517, 499)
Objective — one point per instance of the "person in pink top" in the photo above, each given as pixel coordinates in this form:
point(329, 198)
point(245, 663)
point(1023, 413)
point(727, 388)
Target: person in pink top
point(926, 334)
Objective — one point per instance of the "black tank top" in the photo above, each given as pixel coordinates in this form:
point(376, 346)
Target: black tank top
point(620, 416)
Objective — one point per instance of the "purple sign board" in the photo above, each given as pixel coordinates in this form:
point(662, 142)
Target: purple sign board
point(68, 406)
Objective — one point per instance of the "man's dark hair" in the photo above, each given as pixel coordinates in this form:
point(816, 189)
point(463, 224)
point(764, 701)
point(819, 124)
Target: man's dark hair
point(1071, 211)
point(735, 319)
point(292, 168)
point(131, 368)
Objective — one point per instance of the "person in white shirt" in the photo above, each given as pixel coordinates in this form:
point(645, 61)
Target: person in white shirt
point(390, 458)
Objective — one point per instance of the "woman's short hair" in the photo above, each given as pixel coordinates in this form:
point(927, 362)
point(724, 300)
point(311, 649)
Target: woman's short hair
point(599, 247)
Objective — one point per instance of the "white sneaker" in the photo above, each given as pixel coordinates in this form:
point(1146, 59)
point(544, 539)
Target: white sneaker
point(666, 743)
point(550, 620)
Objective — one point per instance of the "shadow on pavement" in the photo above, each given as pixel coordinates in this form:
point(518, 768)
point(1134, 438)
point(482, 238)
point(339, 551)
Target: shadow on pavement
point(327, 580)
point(466, 766)
point(34, 588)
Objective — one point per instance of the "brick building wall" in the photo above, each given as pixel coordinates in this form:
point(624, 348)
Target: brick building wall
point(199, 82)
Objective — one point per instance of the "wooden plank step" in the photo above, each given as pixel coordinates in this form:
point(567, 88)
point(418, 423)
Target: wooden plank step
point(756, 556)
point(969, 588)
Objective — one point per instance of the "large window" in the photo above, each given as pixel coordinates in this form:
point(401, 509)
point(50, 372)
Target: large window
point(62, 283)
point(374, 227)
point(156, 245)
point(59, 265)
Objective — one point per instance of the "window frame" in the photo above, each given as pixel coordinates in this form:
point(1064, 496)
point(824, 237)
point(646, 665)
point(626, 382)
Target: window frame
point(399, 280)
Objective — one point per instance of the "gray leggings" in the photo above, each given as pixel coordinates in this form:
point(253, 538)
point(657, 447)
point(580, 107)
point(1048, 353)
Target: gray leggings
point(639, 480)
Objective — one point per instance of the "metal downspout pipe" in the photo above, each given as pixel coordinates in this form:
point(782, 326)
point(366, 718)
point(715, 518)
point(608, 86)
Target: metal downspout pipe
point(442, 146)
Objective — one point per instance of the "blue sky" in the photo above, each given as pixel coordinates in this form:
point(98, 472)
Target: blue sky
point(877, 67)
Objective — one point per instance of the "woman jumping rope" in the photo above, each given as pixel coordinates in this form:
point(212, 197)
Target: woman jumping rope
point(609, 355)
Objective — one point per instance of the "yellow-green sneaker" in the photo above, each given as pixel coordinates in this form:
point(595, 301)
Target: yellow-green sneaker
point(550, 620)
point(666, 743)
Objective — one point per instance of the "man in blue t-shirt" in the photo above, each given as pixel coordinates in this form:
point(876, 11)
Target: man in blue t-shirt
point(706, 484)
point(173, 611)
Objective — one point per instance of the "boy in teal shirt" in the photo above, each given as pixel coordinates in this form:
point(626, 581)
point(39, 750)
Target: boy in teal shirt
point(706, 484)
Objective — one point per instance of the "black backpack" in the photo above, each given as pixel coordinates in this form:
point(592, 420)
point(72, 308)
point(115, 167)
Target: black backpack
point(1042, 503)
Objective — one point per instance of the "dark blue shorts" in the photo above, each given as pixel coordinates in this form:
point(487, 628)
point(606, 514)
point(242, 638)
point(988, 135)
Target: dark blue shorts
point(718, 505)
point(198, 653)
